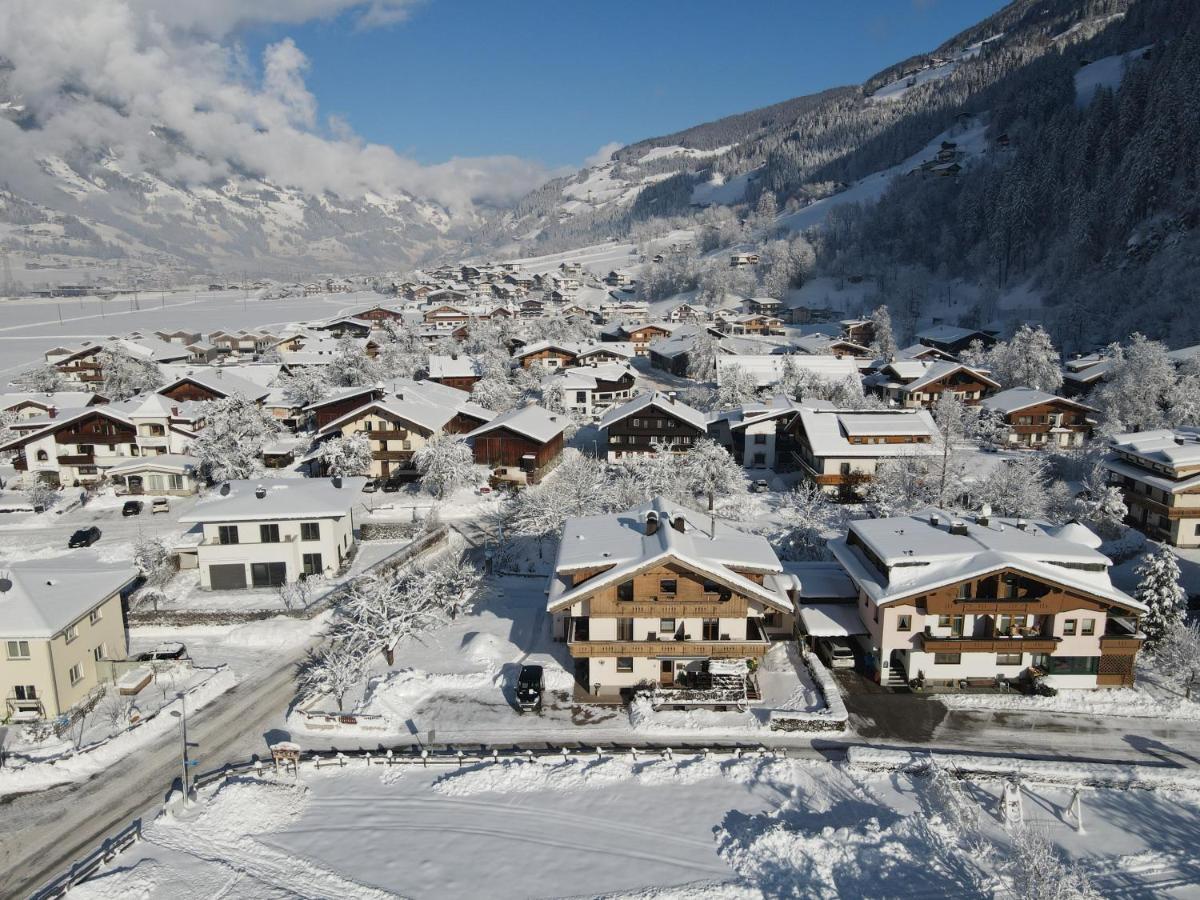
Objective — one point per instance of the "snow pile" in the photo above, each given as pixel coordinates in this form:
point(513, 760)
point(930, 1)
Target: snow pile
point(244, 806)
point(1135, 702)
point(489, 649)
point(573, 774)
point(397, 695)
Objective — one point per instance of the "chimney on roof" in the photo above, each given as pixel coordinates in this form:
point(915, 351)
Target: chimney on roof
point(651, 522)
point(959, 528)
point(677, 522)
point(337, 481)
point(935, 520)
point(260, 492)
point(52, 412)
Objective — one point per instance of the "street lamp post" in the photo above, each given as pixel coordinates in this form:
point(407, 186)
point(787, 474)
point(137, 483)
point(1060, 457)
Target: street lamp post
point(182, 717)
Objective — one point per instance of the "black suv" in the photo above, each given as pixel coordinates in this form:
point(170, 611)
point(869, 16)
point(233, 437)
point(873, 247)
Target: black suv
point(132, 508)
point(530, 685)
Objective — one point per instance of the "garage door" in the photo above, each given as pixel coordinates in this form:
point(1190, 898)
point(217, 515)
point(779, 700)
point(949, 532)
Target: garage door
point(223, 578)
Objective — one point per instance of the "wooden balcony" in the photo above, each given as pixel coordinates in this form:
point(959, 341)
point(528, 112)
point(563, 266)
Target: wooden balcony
point(1120, 644)
point(669, 648)
point(388, 434)
point(1032, 644)
point(93, 437)
point(20, 463)
point(77, 459)
point(392, 455)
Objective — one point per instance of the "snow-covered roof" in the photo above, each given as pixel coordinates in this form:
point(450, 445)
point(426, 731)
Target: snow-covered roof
point(936, 371)
point(768, 370)
point(429, 416)
point(948, 334)
point(585, 378)
point(752, 413)
point(832, 620)
point(821, 581)
point(46, 425)
point(615, 348)
point(46, 399)
point(531, 421)
point(655, 400)
point(1175, 448)
point(829, 431)
point(178, 463)
point(570, 347)
point(282, 498)
point(44, 596)
point(219, 381)
point(620, 541)
point(457, 366)
point(1013, 399)
point(922, 553)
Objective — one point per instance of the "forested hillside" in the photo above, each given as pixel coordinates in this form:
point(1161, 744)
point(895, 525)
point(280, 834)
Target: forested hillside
point(1096, 201)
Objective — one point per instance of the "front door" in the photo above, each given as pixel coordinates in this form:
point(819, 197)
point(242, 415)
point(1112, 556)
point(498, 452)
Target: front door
point(666, 672)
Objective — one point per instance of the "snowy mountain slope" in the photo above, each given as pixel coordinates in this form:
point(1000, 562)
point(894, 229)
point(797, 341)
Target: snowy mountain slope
point(804, 149)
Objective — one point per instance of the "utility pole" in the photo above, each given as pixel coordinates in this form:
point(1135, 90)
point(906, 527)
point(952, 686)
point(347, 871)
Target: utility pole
point(181, 714)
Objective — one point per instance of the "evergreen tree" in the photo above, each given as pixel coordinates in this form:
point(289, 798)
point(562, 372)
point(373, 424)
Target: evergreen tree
point(1158, 588)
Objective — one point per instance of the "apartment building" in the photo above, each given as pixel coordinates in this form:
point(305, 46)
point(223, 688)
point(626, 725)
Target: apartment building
point(273, 531)
point(756, 434)
point(590, 390)
point(648, 597)
point(59, 620)
point(840, 449)
point(954, 601)
point(1159, 474)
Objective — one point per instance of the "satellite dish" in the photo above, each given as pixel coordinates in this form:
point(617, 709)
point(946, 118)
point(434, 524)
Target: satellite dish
point(225, 489)
point(5, 585)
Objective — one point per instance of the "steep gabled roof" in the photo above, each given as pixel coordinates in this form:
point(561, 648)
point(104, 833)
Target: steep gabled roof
point(533, 422)
point(661, 402)
point(620, 542)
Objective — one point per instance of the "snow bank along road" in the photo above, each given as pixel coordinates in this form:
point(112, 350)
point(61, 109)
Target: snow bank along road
point(43, 833)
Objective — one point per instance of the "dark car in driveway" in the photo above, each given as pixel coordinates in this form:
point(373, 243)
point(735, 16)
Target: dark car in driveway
point(84, 537)
point(132, 508)
point(531, 683)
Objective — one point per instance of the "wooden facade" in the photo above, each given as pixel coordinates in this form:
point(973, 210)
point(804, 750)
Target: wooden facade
point(503, 447)
point(639, 432)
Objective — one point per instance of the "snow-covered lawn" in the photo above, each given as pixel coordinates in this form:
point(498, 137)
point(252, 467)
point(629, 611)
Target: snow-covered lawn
point(690, 826)
point(455, 685)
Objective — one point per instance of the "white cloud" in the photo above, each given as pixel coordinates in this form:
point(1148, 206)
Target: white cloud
point(600, 157)
point(115, 76)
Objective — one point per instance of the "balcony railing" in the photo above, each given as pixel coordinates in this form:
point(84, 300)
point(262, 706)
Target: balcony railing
point(994, 644)
point(217, 542)
point(709, 649)
point(77, 459)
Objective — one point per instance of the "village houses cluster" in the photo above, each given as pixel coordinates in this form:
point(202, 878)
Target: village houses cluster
point(503, 369)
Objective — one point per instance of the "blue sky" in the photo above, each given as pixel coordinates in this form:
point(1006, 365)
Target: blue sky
point(554, 81)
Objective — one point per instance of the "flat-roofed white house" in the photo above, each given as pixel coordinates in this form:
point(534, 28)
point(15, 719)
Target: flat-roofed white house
point(768, 369)
point(59, 619)
point(273, 531)
point(952, 600)
point(650, 596)
point(1159, 475)
point(840, 449)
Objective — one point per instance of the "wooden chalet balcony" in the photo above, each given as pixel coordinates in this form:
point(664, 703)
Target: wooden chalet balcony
point(20, 463)
point(77, 459)
point(387, 434)
point(1024, 644)
point(671, 648)
point(1120, 643)
point(92, 437)
point(392, 455)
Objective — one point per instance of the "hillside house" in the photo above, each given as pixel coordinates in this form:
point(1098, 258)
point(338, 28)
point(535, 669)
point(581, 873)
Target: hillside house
point(914, 383)
point(652, 597)
point(954, 340)
point(1038, 420)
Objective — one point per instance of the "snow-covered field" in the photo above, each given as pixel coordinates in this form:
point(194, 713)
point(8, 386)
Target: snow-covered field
point(686, 827)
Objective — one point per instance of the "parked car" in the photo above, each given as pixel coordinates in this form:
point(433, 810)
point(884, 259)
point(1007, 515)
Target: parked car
point(168, 651)
point(835, 652)
point(530, 685)
point(160, 504)
point(761, 486)
point(371, 486)
point(84, 537)
point(132, 508)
